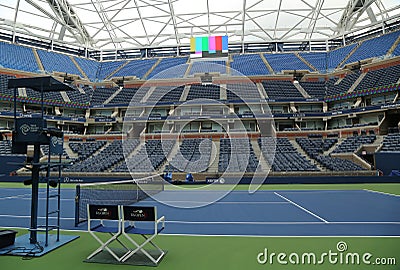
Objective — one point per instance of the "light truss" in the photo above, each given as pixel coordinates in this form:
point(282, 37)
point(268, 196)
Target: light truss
point(118, 24)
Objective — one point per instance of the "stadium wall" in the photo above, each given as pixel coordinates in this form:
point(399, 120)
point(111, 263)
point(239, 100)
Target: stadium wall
point(387, 161)
point(245, 180)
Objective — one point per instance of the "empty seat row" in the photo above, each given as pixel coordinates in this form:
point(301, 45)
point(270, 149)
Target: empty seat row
point(193, 156)
point(351, 144)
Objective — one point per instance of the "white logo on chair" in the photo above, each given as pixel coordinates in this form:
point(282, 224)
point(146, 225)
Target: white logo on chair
point(103, 212)
point(138, 214)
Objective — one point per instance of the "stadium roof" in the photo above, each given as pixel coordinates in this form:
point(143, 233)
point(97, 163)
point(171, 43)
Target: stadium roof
point(115, 24)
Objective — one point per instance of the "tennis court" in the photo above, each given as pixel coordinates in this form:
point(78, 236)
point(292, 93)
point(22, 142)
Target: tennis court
point(230, 233)
point(361, 212)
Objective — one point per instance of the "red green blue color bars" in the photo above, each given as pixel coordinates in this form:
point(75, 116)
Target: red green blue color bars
point(212, 46)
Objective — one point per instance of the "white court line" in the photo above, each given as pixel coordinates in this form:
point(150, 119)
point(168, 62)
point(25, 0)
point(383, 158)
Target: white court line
point(16, 196)
point(380, 192)
point(249, 222)
point(15, 216)
point(200, 202)
point(29, 198)
point(21, 196)
point(320, 191)
point(284, 222)
point(241, 235)
point(301, 207)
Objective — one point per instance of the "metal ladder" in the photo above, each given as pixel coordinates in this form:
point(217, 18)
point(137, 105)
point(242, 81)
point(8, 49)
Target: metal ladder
point(49, 180)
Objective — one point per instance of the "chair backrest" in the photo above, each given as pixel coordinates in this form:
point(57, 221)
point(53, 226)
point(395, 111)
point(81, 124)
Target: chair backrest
point(103, 212)
point(139, 213)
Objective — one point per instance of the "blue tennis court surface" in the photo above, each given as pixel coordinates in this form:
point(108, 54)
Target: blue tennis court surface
point(269, 213)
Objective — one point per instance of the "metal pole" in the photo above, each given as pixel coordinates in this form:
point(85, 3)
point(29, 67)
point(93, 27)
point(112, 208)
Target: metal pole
point(47, 198)
point(35, 193)
point(59, 198)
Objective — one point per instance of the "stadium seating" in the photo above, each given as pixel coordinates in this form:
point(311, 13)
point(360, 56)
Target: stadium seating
point(18, 58)
point(338, 164)
point(90, 67)
point(81, 97)
point(46, 96)
point(100, 95)
point(58, 62)
point(391, 143)
point(136, 68)
point(351, 144)
point(334, 87)
point(242, 91)
point(166, 94)
point(396, 51)
point(5, 147)
point(45, 151)
point(170, 68)
point(125, 96)
point(287, 158)
point(194, 156)
point(208, 66)
point(315, 146)
point(237, 155)
point(380, 77)
point(107, 68)
point(375, 47)
point(85, 149)
point(315, 89)
point(249, 65)
point(207, 91)
point(281, 90)
point(285, 61)
point(110, 155)
point(336, 56)
point(317, 59)
point(4, 85)
point(150, 156)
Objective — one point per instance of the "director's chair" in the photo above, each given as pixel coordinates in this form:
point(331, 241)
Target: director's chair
point(141, 215)
point(111, 214)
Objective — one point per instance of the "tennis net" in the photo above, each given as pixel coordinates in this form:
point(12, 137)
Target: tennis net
point(124, 192)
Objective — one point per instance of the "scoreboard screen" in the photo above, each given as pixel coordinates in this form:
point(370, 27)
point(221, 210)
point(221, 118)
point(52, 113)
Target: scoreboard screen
point(209, 47)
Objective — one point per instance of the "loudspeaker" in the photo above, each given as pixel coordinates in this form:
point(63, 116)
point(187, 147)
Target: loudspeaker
point(7, 238)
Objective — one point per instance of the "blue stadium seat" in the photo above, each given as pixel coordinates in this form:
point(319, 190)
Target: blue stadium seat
point(53, 61)
point(249, 65)
point(18, 57)
point(285, 61)
point(136, 68)
point(170, 68)
point(90, 67)
point(375, 47)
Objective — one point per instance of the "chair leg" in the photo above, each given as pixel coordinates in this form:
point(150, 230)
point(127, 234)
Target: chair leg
point(141, 248)
point(153, 244)
point(104, 245)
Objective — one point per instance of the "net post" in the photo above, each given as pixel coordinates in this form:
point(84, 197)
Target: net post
point(77, 202)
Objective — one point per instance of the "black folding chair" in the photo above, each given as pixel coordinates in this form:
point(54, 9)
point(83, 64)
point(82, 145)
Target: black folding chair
point(138, 217)
point(111, 214)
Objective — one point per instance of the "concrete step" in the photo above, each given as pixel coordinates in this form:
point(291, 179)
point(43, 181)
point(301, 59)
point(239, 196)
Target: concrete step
point(69, 151)
point(214, 160)
point(303, 153)
point(305, 61)
point(270, 69)
point(301, 89)
point(113, 95)
point(185, 93)
point(356, 83)
point(38, 61)
point(79, 67)
point(263, 166)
